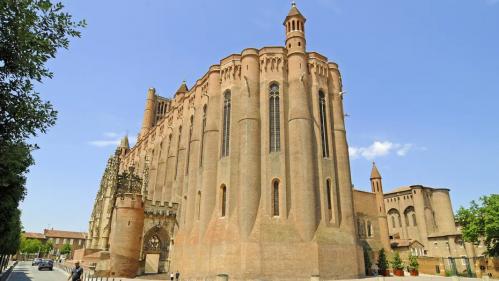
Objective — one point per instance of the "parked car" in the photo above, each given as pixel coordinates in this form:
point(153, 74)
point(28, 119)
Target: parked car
point(49, 264)
point(36, 261)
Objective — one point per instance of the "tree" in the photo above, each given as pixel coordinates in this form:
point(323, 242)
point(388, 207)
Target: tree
point(31, 32)
point(367, 258)
point(397, 261)
point(30, 246)
point(382, 262)
point(413, 263)
point(481, 221)
point(65, 249)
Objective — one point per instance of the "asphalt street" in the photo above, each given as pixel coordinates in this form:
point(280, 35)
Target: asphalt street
point(25, 272)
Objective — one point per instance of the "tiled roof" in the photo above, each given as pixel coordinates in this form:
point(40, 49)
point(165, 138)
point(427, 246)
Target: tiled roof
point(403, 242)
point(64, 234)
point(34, 235)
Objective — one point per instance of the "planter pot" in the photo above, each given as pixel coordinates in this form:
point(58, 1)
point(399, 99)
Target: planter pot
point(414, 272)
point(398, 272)
point(384, 272)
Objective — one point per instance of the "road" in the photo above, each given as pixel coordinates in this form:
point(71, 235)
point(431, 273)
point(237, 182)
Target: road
point(25, 272)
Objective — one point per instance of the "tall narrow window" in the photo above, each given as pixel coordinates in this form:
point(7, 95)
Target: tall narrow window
point(224, 200)
point(328, 195)
point(189, 145)
point(226, 125)
point(322, 108)
point(393, 221)
point(274, 118)
point(414, 223)
point(275, 201)
point(199, 205)
point(203, 127)
point(369, 229)
point(178, 150)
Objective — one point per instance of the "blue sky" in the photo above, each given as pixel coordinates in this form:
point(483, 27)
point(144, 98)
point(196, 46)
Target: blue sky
point(422, 83)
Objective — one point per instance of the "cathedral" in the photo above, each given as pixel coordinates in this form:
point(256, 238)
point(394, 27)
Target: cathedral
point(245, 175)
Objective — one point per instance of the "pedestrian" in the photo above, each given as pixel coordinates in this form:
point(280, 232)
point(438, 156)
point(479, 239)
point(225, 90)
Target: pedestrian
point(76, 273)
point(171, 276)
point(177, 275)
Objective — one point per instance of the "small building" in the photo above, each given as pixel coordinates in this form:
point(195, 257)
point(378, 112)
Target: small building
point(406, 247)
point(60, 237)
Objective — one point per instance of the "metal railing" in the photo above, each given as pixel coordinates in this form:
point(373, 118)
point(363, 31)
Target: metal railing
point(86, 276)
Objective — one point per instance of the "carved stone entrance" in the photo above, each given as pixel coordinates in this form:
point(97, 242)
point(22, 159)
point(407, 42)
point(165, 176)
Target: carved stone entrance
point(155, 251)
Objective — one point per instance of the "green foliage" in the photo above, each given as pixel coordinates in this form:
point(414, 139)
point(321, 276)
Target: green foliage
point(31, 246)
point(10, 227)
point(65, 249)
point(31, 32)
point(367, 259)
point(413, 263)
point(382, 262)
point(481, 220)
point(397, 261)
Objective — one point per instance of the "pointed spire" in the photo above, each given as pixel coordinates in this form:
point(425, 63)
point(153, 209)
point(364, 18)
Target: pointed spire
point(124, 142)
point(374, 172)
point(294, 11)
point(182, 89)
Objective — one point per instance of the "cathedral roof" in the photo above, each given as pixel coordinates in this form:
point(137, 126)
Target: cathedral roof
point(375, 173)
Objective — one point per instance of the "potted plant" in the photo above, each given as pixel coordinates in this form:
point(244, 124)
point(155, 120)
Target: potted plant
point(397, 265)
point(382, 263)
point(413, 267)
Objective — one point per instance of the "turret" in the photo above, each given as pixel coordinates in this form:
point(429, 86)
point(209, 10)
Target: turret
point(301, 141)
point(182, 89)
point(149, 112)
point(127, 226)
point(123, 147)
point(377, 188)
point(294, 25)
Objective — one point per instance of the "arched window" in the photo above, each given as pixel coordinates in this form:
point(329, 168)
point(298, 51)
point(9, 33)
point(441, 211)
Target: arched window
point(203, 128)
point(302, 27)
point(328, 191)
point(275, 198)
point(226, 125)
point(274, 118)
point(322, 108)
point(293, 25)
point(199, 205)
point(224, 201)
point(414, 223)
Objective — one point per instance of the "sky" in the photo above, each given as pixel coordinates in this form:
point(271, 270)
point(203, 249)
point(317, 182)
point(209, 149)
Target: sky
point(421, 81)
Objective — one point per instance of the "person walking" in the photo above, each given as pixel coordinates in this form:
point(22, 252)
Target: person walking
point(76, 273)
point(177, 275)
point(171, 276)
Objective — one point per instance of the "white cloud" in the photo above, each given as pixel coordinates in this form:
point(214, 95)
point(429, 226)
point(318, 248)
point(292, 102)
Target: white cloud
point(380, 149)
point(104, 143)
point(111, 134)
point(109, 139)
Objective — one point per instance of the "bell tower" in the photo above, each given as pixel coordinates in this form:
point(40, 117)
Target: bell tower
point(294, 24)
